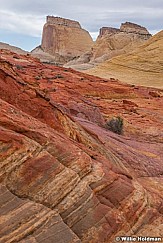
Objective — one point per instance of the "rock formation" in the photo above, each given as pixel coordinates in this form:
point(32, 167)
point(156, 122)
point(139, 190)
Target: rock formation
point(126, 27)
point(129, 27)
point(12, 48)
point(108, 30)
point(143, 66)
point(64, 177)
point(112, 42)
point(65, 38)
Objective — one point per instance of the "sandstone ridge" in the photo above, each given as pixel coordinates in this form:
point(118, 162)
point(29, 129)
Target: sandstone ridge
point(126, 27)
point(65, 42)
point(12, 48)
point(143, 66)
point(112, 42)
point(64, 177)
point(134, 28)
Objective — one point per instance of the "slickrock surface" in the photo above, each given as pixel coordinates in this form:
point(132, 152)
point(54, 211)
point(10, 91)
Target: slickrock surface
point(112, 42)
point(65, 177)
point(64, 38)
point(143, 66)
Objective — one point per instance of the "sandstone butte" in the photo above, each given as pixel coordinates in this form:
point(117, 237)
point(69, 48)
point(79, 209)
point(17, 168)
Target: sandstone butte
point(63, 39)
point(111, 42)
point(142, 66)
point(64, 177)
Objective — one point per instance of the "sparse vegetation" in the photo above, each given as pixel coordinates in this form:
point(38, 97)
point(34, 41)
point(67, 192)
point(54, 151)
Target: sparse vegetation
point(37, 77)
point(19, 67)
point(115, 125)
point(59, 76)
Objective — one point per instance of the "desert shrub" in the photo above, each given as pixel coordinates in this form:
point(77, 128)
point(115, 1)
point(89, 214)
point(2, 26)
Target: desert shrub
point(19, 67)
point(59, 76)
point(115, 125)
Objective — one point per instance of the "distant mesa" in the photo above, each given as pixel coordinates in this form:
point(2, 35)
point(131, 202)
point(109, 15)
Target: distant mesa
point(63, 21)
point(112, 42)
point(142, 66)
point(65, 37)
point(126, 27)
point(108, 30)
point(134, 28)
point(65, 42)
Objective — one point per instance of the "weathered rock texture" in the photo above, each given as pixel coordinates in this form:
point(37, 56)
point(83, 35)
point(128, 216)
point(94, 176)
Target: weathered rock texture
point(112, 42)
point(126, 27)
point(108, 30)
point(142, 66)
point(66, 178)
point(65, 38)
point(134, 28)
point(12, 48)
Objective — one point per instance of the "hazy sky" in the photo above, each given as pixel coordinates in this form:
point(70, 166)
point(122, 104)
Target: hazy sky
point(21, 21)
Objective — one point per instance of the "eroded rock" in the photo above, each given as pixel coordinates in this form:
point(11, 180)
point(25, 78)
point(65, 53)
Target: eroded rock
point(65, 38)
point(60, 165)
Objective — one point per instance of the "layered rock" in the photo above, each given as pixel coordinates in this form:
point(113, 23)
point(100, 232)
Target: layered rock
point(112, 42)
point(32, 222)
point(129, 27)
point(62, 21)
point(126, 27)
point(108, 30)
point(65, 38)
point(12, 48)
point(66, 178)
point(143, 66)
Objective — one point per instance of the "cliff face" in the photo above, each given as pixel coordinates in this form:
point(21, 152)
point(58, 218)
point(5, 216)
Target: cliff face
point(126, 27)
point(64, 177)
point(112, 42)
point(61, 21)
point(129, 27)
point(143, 66)
point(65, 38)
point(108, 30)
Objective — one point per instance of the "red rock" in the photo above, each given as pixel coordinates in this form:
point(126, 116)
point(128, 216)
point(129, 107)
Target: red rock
point(154, 94)
point(57, 156)
point(130, 103)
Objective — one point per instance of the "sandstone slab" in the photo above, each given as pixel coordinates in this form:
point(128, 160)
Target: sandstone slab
point(64, 177)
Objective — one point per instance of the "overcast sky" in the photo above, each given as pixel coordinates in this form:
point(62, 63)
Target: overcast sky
point(21, 21)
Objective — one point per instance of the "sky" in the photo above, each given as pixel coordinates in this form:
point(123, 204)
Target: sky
point(21, 21)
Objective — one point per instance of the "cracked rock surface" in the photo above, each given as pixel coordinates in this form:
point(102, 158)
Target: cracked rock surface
point(63, 176)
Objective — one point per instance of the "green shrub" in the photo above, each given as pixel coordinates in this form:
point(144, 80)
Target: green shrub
point(115, 125)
